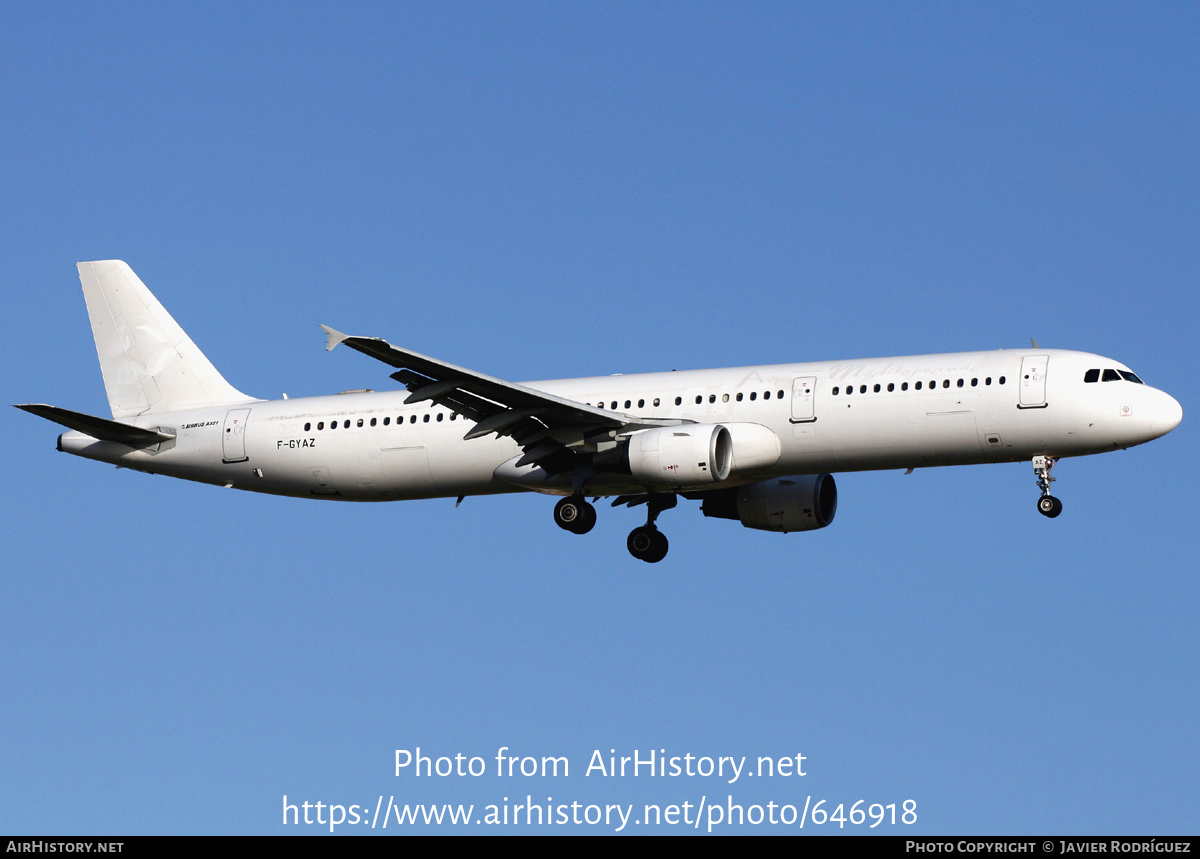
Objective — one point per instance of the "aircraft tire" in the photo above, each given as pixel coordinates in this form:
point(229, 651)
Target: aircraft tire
point(575, 515)
point(647, 543)
point(586, 520)
point(1049, 506)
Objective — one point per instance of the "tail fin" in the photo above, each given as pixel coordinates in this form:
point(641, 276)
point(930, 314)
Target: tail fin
point(149, 364)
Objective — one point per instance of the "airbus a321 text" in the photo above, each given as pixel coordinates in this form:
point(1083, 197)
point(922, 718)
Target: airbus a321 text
point(756, 444)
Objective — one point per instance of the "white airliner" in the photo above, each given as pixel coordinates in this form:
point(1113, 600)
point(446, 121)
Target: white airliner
point(750, 443)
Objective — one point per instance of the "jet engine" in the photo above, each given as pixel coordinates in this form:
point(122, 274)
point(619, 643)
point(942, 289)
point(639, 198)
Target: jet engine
point(687, 455)
point(803, 503)
point(754, 446)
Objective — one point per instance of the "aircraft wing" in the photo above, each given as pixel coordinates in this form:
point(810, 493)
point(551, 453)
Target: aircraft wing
point(546, 426)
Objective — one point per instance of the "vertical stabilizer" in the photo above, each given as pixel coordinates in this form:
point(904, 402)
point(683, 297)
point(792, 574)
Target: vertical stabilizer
point(149, 364)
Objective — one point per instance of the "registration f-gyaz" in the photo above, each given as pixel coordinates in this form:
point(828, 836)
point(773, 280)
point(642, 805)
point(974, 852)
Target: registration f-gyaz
point(756, 444)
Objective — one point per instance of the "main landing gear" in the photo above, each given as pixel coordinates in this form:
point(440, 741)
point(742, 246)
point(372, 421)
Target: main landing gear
point(574, 514)
point(1047, 505)
point(646, 542)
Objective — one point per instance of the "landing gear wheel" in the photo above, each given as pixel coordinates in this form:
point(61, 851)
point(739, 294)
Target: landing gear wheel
point(575, 515)
point(1049, 506)
point(588, 520)
point(647, 543)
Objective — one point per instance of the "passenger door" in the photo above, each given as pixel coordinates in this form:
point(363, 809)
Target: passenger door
point(1033, 381)
point(233, 436)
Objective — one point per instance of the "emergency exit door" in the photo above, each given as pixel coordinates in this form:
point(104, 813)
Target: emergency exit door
point(804, 393)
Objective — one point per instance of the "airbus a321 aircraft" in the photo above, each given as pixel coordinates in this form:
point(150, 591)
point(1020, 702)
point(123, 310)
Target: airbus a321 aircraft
point(756, 444)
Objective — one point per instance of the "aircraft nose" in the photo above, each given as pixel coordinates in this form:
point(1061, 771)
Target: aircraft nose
point(1167, 415)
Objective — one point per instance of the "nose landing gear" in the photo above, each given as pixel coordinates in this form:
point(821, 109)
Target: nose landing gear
point(1047, 505)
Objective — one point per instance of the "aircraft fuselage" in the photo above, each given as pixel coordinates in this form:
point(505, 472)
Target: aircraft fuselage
point(904, 412)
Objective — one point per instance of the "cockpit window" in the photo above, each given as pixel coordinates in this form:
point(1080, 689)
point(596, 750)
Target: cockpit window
point(1111, 375)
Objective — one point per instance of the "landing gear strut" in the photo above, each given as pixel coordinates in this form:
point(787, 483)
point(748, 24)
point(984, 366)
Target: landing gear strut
point(1047, 505)
point(646, 542)
point(574, 514)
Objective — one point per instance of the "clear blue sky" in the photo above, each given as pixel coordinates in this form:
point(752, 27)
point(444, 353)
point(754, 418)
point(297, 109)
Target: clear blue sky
point(545, 190)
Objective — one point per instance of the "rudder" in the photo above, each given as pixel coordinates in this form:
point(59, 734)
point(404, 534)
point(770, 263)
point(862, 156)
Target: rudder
point(149, 364)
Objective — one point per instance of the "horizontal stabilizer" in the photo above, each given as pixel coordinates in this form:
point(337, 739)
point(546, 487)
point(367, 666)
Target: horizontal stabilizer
point(99, 428)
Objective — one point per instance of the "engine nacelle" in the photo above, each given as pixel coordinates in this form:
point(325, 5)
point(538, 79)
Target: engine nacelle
point(754, 446)
point(687, 455)
point(803, 503)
